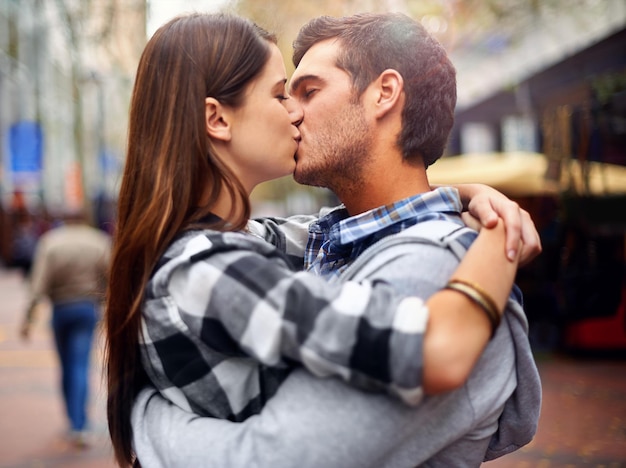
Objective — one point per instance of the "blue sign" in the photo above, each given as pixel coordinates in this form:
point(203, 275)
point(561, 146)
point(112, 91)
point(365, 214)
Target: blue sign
point(25, 147)
point(108, 162)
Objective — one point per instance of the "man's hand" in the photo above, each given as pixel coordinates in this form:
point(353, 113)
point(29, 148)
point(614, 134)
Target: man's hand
point(486, 204)
point(27, 321)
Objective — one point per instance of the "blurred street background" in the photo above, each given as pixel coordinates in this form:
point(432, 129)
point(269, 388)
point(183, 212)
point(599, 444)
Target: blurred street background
point(541, 116)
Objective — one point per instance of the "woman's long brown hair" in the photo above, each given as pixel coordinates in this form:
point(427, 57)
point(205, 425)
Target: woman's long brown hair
point(170, 167)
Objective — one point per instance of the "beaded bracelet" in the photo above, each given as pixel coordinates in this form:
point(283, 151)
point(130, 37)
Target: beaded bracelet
point(480, 297)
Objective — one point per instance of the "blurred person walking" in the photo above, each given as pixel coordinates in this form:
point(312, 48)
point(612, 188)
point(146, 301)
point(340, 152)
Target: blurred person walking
point(24, 237)
point(70, 268)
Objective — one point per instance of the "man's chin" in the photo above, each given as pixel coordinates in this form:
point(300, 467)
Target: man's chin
point(305, 179)
point(304, 176)
point(299, 175)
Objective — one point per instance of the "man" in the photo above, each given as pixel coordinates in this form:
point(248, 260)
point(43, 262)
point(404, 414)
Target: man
point(70, 267)
point(378, 96)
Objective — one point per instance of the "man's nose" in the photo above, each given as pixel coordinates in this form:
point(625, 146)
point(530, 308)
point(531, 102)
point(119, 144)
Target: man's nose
point(296, 114)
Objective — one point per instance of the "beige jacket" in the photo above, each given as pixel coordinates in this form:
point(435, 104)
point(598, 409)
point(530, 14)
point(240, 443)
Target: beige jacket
point(71, 263)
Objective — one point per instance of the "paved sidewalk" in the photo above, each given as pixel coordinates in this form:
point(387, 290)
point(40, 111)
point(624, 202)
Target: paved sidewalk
point(583, 416)
point(32, 417)
point(583, 421)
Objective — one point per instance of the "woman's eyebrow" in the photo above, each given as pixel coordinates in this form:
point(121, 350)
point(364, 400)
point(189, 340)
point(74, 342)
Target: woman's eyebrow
point(280, 83)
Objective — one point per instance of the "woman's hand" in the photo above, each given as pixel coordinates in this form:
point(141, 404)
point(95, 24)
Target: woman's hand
point(485, 205)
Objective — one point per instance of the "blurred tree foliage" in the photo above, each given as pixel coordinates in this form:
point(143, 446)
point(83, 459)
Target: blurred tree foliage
point(100, 54)
point(456, 23)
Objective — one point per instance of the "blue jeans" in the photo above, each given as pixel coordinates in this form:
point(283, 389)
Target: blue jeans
point(73, 324)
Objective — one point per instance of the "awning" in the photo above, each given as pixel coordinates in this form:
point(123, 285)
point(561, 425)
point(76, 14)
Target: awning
point(524, 174)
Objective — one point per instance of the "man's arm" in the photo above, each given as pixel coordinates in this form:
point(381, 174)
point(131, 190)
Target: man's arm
point(39, 281)
point(309, 423)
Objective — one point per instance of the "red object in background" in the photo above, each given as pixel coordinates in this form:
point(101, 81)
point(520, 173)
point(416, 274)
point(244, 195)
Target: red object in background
point(18, 202)
point(602, 333)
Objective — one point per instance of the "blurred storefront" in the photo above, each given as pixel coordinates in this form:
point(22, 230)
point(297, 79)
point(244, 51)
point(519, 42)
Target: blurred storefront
point(575, 292)
point(556, 143)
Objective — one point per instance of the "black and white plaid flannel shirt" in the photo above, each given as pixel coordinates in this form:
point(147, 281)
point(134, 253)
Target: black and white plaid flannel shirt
point(225, 318)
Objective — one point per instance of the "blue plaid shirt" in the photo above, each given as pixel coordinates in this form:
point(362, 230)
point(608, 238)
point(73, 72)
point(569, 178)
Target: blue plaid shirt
point(336, 239)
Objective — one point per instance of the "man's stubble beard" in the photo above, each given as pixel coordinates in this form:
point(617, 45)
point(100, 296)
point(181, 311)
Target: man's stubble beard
point(339, 154)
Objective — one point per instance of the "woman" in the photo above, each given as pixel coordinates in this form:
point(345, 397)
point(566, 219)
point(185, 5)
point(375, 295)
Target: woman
point(216, 315)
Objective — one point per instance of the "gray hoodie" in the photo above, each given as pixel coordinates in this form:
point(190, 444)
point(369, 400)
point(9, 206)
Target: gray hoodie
point(313, 422)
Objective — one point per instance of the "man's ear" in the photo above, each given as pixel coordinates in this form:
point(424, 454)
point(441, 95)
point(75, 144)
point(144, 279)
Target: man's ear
point(389, 88)
point(217, 119)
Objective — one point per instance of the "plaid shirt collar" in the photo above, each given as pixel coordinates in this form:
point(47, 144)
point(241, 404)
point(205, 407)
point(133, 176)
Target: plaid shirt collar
point(336, 239)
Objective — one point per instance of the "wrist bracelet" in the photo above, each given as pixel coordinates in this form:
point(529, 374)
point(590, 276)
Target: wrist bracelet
point(479, 297)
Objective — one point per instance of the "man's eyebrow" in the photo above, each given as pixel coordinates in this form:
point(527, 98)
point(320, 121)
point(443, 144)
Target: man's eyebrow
point(293, 87)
